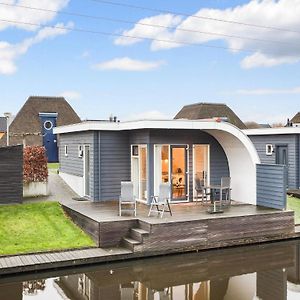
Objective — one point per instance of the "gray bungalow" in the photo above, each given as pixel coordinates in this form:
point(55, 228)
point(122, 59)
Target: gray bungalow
point(279, 146)
point(96, 156)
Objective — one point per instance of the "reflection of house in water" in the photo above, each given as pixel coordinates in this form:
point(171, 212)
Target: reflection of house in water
point(293, 274)
point(241, 273)
point(11, 291)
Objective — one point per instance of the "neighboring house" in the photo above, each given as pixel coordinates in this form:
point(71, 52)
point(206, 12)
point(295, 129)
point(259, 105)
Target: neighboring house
point(34, 123)
point(203, 110)
point(96, 156)
point(2, 126)
point(265, 125)
point(279, 146)
point(295, 121)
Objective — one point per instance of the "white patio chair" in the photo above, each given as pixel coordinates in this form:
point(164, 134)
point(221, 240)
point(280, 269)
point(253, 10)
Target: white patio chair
point(160, 202)
point(127, 198)
point(225, 187)
point(201, 190)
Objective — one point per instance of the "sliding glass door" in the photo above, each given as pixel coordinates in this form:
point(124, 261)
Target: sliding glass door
point(170, 165)
point(179, 172)
point(161, 166)
point(201, 165)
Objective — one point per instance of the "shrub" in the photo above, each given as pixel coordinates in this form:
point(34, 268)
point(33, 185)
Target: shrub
point(35, 167)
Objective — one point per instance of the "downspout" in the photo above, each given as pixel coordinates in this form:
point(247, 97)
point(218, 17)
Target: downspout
point(298, 160)
point(99, 166)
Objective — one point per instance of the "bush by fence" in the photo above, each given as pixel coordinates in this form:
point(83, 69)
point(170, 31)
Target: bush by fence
point(35, 167)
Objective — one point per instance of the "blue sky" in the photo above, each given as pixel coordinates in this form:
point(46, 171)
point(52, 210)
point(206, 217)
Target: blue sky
point(100, 75)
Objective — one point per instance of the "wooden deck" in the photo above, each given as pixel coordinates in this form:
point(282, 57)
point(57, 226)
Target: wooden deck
point(190, 228)
point(25, 263)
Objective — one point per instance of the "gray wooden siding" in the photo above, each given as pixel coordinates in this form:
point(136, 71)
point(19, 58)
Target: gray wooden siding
point(114, 163)
point(141, 136)
point(111, 157)
point(271, 186)
point(297, 161)
point(11, 174)
point(72, 164)
point(292, 141)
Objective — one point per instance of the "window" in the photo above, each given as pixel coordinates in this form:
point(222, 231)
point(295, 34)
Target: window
point(269, 149)
point(80, 151)
point(135, 150)
point(48, 125)
point(66, 150)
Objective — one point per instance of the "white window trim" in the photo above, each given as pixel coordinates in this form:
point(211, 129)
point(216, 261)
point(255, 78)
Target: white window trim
point(194, 166)
point(66, 150)
point(80, 151)
point(269, 149)
point(84, 171)
point(139, 175)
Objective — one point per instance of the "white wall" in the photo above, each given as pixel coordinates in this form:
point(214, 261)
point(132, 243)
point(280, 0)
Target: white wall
point(242, 159)
point(76, 183)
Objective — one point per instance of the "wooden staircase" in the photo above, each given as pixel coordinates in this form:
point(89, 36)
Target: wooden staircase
point(136, 236)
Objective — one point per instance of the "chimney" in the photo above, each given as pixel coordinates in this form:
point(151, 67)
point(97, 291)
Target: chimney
point(8, 117)
point(289, 123)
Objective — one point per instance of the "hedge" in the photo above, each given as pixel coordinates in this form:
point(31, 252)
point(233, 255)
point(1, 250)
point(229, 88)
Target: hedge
point(35, 167)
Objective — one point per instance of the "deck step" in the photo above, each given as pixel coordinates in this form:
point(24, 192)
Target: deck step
point(138, 234)
point(144, 225)
point(129, 243)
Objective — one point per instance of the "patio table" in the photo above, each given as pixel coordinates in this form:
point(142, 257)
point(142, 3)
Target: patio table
point(213, 188)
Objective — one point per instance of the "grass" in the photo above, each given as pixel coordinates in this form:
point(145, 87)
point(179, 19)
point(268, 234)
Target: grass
point(294, 204)
point(53, 166)
point(38, 227)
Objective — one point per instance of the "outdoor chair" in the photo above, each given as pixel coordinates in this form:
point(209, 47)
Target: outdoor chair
point(162, 201)
point(201, 189)
point(127, 199)
point(225, 191)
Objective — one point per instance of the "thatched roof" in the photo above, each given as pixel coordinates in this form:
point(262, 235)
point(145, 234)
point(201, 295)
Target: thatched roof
point(209, 110)
point(2, 124)
point(27, 121)
point(296, 118)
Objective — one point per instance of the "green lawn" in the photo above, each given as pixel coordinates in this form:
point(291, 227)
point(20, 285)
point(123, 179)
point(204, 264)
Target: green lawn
point(294, 204)
point(54, 166)
point(38, 227)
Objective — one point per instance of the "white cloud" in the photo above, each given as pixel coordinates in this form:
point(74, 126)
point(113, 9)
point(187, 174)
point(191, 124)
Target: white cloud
point(259, 92)
point(280, 14)
point(262, 60)
point(128, 64)
point(9, 53)
point(168, 20)
point(149, 115)
point(85, 54)
point(70, 95)
point(14, 13)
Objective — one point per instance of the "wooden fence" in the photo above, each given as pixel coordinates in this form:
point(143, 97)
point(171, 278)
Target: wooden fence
point(11, 174)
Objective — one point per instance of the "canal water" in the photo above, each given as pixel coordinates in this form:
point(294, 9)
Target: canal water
point(269, 272)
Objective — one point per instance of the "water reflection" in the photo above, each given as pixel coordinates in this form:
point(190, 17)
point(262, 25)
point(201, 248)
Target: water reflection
point(268, 272)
